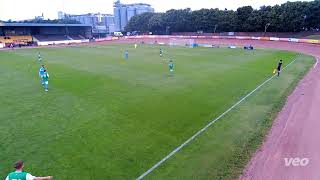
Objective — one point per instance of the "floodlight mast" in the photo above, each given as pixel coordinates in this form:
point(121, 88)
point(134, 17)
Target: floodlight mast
point(266, 27)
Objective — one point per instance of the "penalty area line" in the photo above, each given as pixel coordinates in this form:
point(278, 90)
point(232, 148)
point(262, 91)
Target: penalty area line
point(208, 125)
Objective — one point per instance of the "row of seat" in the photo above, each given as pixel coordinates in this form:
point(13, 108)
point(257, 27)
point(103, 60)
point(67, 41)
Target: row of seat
point(51, 37)
point(15, 39)
point(26, 39)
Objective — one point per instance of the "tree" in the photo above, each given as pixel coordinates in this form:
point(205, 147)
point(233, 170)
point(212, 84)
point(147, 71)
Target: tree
point(156, 24)
point(288, 17)
point(312, 20)
point(227, 21)
point(293, 16)
point(243, 13)
point(200, 20)
point(139, 22)
point(178, 20)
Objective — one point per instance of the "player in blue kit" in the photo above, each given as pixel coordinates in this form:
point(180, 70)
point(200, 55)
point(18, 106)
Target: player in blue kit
point(41, 74)
point(126, 55)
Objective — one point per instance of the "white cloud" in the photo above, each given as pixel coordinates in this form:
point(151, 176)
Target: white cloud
point(27, 9)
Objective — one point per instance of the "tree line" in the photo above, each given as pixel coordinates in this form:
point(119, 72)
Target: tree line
point(288, 17)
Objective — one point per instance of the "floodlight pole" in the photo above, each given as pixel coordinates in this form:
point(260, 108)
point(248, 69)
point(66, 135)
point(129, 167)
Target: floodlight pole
point(215, 28)
point(304, 22)
point(167, 30)
point(265, 28)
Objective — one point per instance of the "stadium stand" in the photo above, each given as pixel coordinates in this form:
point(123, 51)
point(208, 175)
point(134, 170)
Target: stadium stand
point(23, 40)
point(51, 37)
point(76, 37)
point(21, 34)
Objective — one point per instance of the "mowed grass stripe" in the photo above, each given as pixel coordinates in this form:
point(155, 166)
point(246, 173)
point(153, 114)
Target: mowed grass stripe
point(126, 114)
point(212, 122)
point(224, 149)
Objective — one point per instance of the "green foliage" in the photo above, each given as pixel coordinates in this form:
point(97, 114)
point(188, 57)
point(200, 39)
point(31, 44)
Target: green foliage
point(288, 17)
point(178, 20)
point(156, 23)
point(243, 15)
point(141, 21)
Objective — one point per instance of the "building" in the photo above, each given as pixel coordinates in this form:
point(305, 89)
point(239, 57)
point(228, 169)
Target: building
point(109, 23)
point(61, 15)
point(123, 18)
point(124, 12)
point(100, 23)
point(39, 17)
point(131, 11)
point(103, 24)
point(88, 19)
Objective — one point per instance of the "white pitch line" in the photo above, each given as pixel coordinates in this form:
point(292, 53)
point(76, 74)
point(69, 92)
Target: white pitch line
point(315, 65)
point(207, 126)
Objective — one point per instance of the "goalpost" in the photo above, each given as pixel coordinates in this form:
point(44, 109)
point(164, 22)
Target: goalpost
point(182, 42)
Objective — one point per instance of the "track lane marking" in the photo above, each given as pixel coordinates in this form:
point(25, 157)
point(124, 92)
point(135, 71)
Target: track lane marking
point(315, 65)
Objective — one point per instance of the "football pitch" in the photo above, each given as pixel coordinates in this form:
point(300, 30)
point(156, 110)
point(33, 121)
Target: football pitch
point(105, 117)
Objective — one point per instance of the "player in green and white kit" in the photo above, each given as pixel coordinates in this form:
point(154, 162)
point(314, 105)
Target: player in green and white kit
point(39, 57)
point(18, 174)
point(171, 67)
point(45, 79)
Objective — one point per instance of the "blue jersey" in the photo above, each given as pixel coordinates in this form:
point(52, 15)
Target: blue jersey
point(41, 71)
point(126, 55)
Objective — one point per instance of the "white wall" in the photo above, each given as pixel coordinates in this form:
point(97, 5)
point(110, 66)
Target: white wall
point(46, 43)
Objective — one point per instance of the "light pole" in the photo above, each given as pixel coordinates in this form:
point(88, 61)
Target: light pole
point(304, 22)
point(167, 30)
point(266, 27)
point(215, 28)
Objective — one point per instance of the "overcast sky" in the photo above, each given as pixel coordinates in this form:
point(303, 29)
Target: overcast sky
point(28, 9)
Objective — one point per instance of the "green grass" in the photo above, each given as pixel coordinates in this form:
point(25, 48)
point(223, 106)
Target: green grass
point(313, 37)
point(107, 118)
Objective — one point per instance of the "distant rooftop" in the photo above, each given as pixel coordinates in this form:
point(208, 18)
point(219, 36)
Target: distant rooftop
point(41, 24)
point(140, 4)
point(118, 3)
point(90, 14)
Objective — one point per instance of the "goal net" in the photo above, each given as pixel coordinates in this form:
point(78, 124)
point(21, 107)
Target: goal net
point(182, 42)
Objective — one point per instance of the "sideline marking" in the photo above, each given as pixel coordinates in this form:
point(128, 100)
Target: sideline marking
point(208, 125)
point(315, 65)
